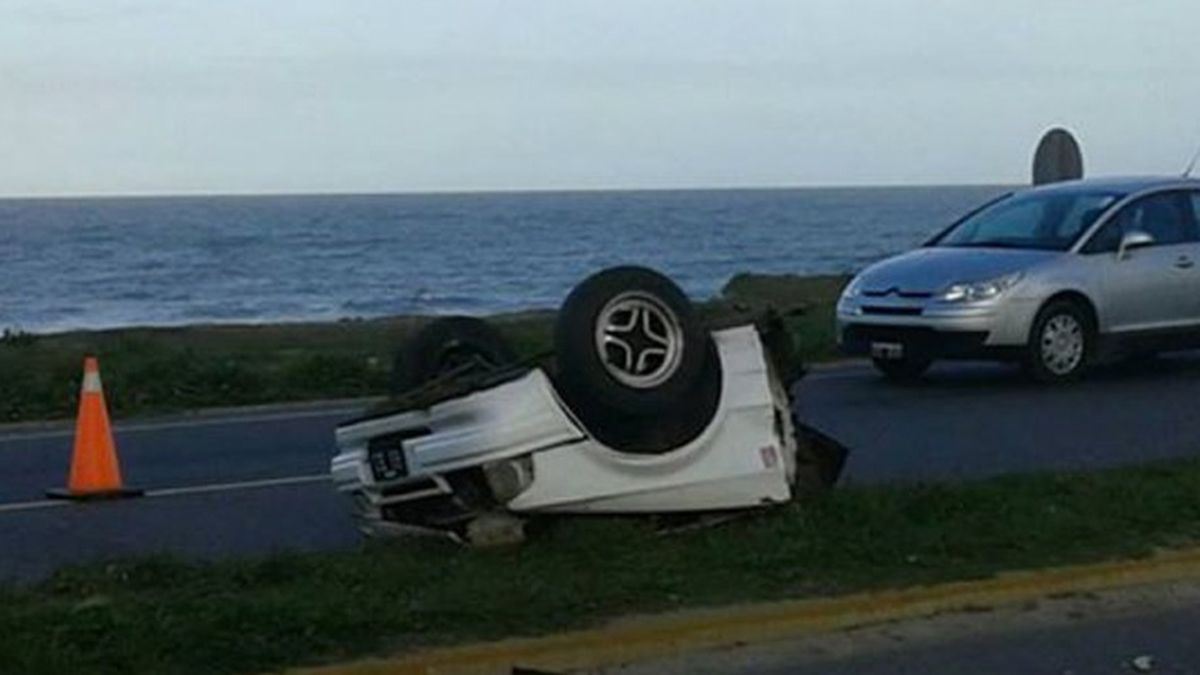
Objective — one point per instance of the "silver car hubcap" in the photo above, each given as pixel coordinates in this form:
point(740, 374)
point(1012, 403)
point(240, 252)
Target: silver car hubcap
point(639, 339)
point(1062, 344)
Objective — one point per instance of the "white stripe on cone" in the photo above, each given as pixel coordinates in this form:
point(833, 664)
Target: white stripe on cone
point(91, 383)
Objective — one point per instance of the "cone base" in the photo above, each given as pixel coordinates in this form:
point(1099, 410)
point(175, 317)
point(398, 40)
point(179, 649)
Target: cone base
point(99, 495)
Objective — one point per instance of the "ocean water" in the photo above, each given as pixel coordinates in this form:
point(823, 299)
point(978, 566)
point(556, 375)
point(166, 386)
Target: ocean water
point(101, 263)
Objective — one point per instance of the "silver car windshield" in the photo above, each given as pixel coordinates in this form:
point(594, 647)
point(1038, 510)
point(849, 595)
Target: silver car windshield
point(1050, 221)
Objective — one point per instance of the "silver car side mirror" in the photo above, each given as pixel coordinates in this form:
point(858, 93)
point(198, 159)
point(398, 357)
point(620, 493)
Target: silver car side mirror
point(1131, 241)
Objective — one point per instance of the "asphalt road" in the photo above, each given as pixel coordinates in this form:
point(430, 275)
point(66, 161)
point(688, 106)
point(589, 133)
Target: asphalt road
point(255, 482)
point(231, 485)
point(183, 451)
point(977, 420)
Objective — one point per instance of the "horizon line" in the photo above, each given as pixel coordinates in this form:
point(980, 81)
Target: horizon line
point(482, 191)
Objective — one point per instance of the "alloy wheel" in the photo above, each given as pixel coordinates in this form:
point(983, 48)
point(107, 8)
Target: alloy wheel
point(639, 339)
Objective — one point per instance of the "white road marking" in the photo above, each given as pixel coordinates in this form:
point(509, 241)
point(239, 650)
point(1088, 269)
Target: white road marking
point(844, 373)
point(240, 485)
point(183, 424)
point(182, 491)
point(838, 364)
point(31, 506)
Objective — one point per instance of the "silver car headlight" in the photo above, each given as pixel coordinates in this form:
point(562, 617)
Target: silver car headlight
point(978, 291)
point(853, 289)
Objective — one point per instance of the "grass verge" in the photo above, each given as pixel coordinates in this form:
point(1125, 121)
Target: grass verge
point(165, 616)
point(157, 370)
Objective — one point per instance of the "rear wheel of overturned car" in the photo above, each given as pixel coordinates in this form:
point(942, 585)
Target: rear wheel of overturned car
point(452, 344)
point(905, 369)
point(635, 364)
point(1060, 343)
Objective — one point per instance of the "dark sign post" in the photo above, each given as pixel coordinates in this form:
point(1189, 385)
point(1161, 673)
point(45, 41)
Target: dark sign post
point(1057, 158)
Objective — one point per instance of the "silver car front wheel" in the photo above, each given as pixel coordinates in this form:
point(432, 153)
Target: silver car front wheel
point(1060, 342)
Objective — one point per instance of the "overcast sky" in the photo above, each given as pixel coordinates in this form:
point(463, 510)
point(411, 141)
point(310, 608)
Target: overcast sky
point(165, 96)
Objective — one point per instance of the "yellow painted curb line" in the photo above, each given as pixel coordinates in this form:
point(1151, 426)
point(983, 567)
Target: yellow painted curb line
point(658, 636)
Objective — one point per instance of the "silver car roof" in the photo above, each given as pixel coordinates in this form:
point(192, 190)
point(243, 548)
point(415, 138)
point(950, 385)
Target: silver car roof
point(1118, 184)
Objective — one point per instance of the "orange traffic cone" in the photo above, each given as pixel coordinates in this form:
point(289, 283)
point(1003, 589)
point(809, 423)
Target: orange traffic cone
point(95, 473)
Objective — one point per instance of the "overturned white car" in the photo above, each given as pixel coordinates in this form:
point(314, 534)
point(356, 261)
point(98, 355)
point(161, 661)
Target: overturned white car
point(644, 408)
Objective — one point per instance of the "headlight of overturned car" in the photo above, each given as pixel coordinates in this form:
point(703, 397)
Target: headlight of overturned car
point(979, 291)
point(509, 478)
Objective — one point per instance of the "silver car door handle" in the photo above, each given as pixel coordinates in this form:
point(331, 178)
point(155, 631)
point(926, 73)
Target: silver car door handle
point(1184, 262)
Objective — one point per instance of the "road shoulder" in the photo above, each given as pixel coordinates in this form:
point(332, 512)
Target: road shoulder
point(649, 639)
point(1014, 629)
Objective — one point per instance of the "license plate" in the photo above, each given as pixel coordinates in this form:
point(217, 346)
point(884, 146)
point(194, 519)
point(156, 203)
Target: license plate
point(890, 351)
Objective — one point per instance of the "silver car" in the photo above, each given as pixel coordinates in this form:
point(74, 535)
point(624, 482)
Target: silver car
point(1056, 277)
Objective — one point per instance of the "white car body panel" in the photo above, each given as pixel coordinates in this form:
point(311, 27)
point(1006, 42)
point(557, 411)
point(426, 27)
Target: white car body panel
point(509, 419)
point(739, 460)
point(744, 458)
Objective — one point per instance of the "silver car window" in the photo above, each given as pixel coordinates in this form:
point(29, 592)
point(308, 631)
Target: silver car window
point(1166, 216)
point(1034, 220)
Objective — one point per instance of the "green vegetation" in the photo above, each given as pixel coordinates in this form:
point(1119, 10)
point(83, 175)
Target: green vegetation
point(162, 616)
point(156, 370)
point(813, 329)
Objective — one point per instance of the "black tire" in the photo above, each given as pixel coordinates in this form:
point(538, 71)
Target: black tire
point(1050, 367)
point(453, 343)
point(905, 370)
point(608, 338)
